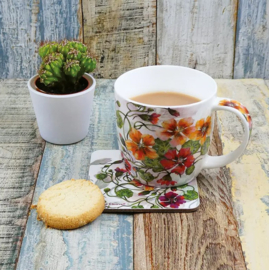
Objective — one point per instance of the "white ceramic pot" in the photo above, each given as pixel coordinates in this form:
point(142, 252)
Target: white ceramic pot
point(63, 119)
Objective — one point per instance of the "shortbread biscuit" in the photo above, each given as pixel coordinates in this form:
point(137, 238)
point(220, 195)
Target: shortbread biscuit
point(70, 204)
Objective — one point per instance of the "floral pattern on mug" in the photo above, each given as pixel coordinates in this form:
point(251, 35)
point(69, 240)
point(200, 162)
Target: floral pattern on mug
point(240, 107)
point(202, 130)
point(158, 149)
point(179, 131)
point(178, 161)
point(141, 145)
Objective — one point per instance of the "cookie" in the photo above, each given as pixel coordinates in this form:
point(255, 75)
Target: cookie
point(70, 204)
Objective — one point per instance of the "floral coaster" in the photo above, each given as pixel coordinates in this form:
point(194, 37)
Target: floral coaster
point(124, 194)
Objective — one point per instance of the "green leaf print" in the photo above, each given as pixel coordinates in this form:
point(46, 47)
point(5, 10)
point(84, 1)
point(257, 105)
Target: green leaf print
point(191, 195)
point(106, 190)
point(161, 147)
point(205, 146)
point(148, 177)
point(119, 119)
point(119, 174)
point(118, 103)
point(101, 176)
point(182, 186)
point(154, 207)
point(154, 164)
point(144, 193)
point(124, 193)
point(193, 145)
point(137, 206)
point(190, 170)
point(144, 117)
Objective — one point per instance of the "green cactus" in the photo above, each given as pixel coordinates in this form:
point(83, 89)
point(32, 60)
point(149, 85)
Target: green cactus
point(71, 69)
point(63, 65)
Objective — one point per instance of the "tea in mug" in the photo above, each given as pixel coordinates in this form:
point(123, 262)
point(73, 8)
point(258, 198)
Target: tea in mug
point(165, 99)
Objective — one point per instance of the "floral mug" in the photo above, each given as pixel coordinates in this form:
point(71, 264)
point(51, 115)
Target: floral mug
point(164, 146)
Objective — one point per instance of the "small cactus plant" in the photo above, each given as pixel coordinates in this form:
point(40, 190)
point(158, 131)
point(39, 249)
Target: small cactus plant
point(63, 65)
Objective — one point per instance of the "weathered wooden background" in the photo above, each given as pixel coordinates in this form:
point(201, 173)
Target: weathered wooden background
point(226, 39)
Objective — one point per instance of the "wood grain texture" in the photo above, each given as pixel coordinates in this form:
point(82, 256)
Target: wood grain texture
point(122, 34)
point(252, 40)
point(198, 34)
point(24, 24)
point(21, 149)
point(204, 240)
point(250, 173)
point(107, 243)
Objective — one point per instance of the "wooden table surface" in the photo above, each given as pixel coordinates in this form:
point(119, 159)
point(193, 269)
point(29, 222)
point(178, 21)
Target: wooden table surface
point(229, 230)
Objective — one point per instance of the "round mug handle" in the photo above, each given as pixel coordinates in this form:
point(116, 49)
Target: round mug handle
point(243, 114)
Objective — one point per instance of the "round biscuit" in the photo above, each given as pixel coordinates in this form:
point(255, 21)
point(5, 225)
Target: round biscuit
point(70, 204)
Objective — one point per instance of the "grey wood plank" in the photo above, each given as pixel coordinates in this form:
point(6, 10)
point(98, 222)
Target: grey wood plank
point(252, 40)
point(24, 25)
point(107, 243)
point(199, 34)
point(122, 34)
point(21, 149)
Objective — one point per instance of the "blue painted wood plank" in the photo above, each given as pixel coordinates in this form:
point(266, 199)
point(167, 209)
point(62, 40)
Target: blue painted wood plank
point(24, 24)
point(107, 243)
point(21, 149)
point(252, 40)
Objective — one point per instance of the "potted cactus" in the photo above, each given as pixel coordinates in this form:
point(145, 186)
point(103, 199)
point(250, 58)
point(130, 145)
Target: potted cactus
point(62, 91)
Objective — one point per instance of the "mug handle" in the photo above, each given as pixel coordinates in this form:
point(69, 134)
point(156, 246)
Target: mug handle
point(242, 112)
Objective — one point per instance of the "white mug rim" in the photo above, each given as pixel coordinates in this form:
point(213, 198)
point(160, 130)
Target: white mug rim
point(167, 66)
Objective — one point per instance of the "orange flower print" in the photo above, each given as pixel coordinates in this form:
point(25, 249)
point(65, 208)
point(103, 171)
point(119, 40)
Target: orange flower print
point(136, 183)
point(148, 188)
point(166, 182)
point(154, 118)
point(237, 105)
point(140, 145)
point(202, 130)
point(249, 121)
point(128, 166)
point(234, 104)
point(179, 131)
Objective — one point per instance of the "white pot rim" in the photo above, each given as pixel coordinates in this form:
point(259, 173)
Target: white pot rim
point(34, 91)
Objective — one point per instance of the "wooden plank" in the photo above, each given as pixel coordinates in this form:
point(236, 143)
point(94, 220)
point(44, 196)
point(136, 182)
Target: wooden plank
point(252, 40)
point(204, 240)
point(122, 34)
point(21, 149)
point(104, 244)
point(23, 27)
point(250, 173)
point(199, 34)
